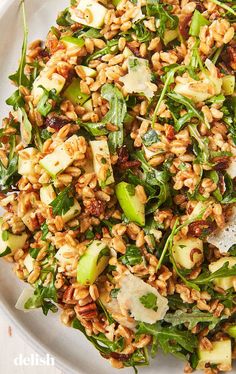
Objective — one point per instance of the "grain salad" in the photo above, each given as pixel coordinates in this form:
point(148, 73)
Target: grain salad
point(117, 178)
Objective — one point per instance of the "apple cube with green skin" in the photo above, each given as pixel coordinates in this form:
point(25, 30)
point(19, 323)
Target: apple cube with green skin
point(47, 194)
point(71, 42)
point(228, 84)
point(231, 330)
point(9, 243)
point(221, 354)
point(88, 72)
point(187, 252)
point(101, 157)
point(225, 282)
point(93, 13)
point(74, 94)
point(131, 205)
point(73, 212)
point(93, 262)
point(26, 166)
point(56, 82)
point(57, 161)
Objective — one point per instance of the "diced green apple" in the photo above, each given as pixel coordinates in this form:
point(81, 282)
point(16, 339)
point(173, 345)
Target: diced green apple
point(130, 203)
point(228, 84)
point(188, 252)
point(47, 194)
point(88, 105)
point(101, 159)
point(93, 262)
point(56, 82)
point(71, 42)
point(9, 243)
point(25, 295)
point(88, 72)
point(170, 35)
point(73, 212)
point(221, 354)
point(26, 166)
point(59, 159)
point(74, 94)
point(116, 2)
point(93, 13)
point(231, 330)
point(225, 282)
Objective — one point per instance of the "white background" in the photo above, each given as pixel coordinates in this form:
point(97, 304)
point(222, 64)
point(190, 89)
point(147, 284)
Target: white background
point(11, 346)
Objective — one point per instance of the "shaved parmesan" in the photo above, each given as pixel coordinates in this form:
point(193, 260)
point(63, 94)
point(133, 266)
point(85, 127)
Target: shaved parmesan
point(132, 289)
point(139, 77)
point(224, 239)
point(29, 263)
point(231, 170)
point(138, 13)
point(207, 86)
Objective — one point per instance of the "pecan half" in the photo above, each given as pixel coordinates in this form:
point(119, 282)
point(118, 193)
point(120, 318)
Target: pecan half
point(170, 132)
point(87, 312)
point(68, 296)
point(120, 356)
point(184, 26)
point(201, 228)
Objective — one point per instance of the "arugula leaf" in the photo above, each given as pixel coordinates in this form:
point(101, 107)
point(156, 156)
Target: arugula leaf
point(229, 110)
point(149, 301)
point(19, 77)
point(25, 127)
point(192, 111)
point(115, 115)
point(150, 137)
point(64, 18)
point(165, 19)
point(142, 33)
point(224, 271)
point(111, 47)
point(15, 100)
point(192, 319)
point(42, 298)
point(200, 148)
point(170, 339)
point(45, 230)
point(224, 6)
point(168, 79)
point(44, 107)
point(155, 178)
point(100, 342)
point(95, 129)
point(34, 252)
point(9, 173)
point(133, 256)
point(62, 203)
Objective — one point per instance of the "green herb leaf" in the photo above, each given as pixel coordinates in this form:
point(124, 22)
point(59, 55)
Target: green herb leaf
point(19, 77)
point(15, 100)
point(192, 319)
point(115, 115)
point(9, 174)
point(163, 16)
point(133, 256)
point(149, 301)
point(45, 231)
point(62, 203)
point(224, 271)
point(170, 339)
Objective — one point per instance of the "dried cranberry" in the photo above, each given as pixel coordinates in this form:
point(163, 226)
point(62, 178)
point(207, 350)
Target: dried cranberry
point(221, 163)
point(123, 159)
point(56, 122)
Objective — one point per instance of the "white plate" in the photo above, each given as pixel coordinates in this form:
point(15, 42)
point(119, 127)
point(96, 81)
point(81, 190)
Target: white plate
point(72, 351)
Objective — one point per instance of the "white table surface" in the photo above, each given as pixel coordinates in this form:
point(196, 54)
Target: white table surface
point(11, 347)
